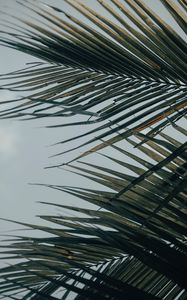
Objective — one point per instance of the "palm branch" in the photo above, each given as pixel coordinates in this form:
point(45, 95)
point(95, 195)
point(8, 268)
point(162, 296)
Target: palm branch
point(121, 77)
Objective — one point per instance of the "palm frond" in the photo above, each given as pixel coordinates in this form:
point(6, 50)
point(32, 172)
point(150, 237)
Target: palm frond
point(137, 236)
point(119, 75)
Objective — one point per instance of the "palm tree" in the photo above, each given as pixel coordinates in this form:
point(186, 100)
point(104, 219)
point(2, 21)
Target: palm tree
point(123, 76)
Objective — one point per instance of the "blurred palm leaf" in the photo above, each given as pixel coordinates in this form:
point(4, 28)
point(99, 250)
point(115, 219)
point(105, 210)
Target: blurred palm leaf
point(122, 74)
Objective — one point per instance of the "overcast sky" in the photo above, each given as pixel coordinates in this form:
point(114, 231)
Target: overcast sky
point(24, 152)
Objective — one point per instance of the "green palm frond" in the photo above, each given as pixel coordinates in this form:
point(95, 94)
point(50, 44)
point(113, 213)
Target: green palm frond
point(137, 236)
point(118, 75)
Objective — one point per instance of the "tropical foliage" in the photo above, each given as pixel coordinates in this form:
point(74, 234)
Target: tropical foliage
point(117, 70)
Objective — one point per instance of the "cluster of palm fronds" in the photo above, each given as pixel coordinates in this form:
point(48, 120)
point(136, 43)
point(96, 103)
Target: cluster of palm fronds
point(122, 74)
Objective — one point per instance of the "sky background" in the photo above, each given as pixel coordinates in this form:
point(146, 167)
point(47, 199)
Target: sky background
point(25, 151)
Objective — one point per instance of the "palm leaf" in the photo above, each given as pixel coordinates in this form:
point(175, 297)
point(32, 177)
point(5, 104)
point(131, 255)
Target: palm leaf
point(143, 224)
point(119, 75)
